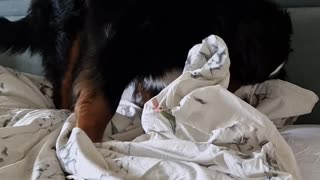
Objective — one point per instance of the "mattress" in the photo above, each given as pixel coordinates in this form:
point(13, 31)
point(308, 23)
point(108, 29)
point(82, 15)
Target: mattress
point(305, 143)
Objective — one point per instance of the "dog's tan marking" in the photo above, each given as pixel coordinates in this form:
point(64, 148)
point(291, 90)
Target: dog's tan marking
point(92, 110)
point(66, 86)
point(142, 94)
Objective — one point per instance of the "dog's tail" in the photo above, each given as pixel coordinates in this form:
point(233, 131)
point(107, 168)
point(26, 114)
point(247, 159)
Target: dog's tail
point(17, 36)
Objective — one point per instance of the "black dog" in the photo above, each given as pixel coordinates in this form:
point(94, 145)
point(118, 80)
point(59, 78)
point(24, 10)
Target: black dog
point(95, 48)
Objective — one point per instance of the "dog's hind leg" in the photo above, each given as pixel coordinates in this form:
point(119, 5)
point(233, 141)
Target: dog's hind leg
point(32, 32)
point(148, 87)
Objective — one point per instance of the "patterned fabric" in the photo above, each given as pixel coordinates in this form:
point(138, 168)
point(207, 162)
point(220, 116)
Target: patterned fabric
point(194, 129)
point(281, 101)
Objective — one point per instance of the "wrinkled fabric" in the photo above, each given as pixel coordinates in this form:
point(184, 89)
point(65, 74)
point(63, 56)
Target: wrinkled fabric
point(194, 129)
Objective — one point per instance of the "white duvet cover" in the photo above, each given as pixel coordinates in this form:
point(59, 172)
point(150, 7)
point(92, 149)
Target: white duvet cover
point(194, 129)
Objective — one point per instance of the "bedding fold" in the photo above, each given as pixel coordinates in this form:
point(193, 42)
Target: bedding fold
point(194, 129)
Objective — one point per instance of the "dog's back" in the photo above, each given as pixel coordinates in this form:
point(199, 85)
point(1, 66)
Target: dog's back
point(157, 35)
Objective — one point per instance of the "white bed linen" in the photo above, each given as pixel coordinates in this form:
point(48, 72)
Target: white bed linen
point(229, 140)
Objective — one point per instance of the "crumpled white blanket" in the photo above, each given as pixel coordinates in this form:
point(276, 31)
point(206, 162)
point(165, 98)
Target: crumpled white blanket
point(194, 129)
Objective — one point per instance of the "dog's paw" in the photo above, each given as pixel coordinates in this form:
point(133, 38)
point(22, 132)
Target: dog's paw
point(93, 114)
point(144, 92)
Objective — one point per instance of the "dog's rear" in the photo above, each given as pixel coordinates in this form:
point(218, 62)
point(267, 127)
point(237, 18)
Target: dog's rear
point(14, 36)
point(48, 29)
point(29, 33)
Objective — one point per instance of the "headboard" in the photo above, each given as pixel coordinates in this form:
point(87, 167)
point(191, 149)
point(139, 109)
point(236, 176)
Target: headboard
point(304, 63)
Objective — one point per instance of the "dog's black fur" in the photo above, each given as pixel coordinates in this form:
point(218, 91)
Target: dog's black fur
point(125, 39)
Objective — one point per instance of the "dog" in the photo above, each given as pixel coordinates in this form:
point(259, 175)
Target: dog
point(92, 49)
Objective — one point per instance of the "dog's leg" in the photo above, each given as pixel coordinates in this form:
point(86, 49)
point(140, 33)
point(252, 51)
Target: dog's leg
point(148, 87)
point(92, 110)
point(30, 34)
point(96, 100)
point(142, 92)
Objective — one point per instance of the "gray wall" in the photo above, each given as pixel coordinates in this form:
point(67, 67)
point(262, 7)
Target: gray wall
point(304, 65)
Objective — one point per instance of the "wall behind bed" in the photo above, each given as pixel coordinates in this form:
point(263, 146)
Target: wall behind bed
point(303, 66)
point(304, 63)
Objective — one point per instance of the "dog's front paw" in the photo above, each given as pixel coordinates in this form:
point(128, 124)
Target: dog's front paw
point(93, 114)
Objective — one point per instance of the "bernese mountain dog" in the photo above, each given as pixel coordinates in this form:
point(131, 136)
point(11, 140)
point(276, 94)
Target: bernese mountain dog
point(92, 49)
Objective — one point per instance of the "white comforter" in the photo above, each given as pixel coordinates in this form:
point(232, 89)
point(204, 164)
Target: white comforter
point(194, 129)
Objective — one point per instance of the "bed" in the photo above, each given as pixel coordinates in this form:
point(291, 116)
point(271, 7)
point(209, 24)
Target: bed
point(39, 142)
point(304, 140)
